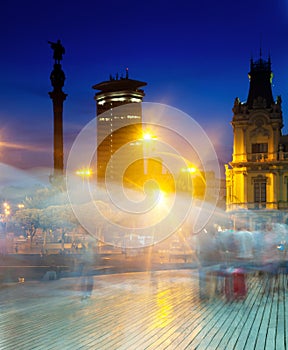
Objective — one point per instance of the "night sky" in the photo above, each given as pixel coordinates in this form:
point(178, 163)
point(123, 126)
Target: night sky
point(194, 56)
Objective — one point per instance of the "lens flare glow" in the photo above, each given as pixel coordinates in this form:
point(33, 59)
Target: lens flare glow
point(143, 206)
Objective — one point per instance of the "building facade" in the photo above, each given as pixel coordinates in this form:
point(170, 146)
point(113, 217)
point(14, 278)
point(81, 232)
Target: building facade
point(257, 176)
point(119, 127)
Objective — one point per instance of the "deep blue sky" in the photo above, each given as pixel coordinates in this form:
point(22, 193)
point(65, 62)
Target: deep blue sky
point(194, 55)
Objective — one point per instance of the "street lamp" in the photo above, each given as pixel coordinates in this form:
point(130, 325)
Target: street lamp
point(5, 215)
point(7, 208)
point(192, 171)
point(147, 136)
point(84, 173)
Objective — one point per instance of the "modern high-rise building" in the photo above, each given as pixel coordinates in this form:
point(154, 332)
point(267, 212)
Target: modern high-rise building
point(119, 129)
point(257, 176)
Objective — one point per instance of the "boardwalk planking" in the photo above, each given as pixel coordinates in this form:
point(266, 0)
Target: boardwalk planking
point(153, 311)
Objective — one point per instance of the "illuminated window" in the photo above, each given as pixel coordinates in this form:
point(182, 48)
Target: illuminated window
point(133, 117)
point(116, 99)
point(259, 147)
point(260, 190)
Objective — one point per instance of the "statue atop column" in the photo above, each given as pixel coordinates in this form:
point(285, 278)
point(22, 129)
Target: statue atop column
point(58, 49)
point(57, 78)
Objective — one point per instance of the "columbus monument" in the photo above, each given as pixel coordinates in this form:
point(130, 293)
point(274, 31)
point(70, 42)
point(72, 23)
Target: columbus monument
point(57, 78)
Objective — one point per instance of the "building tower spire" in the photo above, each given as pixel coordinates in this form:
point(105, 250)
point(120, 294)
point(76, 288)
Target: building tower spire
point(260, 90)
point(260, 51)
point(57, 78)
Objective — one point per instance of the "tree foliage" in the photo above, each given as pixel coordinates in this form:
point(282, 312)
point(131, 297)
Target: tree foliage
point(45, 197)
point(57, 217)
point(28, 220)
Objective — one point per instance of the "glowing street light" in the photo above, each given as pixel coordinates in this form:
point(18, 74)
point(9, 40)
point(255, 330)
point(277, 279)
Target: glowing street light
point(5, 216)
point(192, 172)
point(7, 208)
point(147, 136)
point(84, 172)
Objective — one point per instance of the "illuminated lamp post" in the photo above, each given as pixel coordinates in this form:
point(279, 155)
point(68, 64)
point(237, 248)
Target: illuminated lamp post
point(191, 173)
point(84, 173)
point(3, 236)
point(5, 219)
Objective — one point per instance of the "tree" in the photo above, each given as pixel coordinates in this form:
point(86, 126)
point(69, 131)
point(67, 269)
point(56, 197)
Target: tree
point(96, 217)
point(29, 220)
point(57, 217)
point(45, 197)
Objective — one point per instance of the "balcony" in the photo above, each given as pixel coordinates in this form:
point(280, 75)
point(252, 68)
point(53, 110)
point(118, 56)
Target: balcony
point(283, 155)
point(265, 156)
point(257, 206)
point(257, 157)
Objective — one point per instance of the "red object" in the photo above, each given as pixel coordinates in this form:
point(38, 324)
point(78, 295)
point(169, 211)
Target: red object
point(235, 284)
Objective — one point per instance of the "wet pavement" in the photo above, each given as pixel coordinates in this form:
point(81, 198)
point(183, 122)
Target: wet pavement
point(141, 310)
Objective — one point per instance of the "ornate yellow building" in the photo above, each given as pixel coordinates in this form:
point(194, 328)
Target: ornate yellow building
point(257, 177)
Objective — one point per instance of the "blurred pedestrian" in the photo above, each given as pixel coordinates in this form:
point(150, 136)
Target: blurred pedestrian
point(227, 246)
point(208, 255)
point(86, 269)
point(244, 246)
point(270, 258)
point(208, 247)
point(281, 240)
point(258, 249)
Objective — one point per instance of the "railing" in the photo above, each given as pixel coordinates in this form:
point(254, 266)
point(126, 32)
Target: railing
point(283, 155)
point(282, 205)
point(258, 157)
point(257, 206)
point(262, 157)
